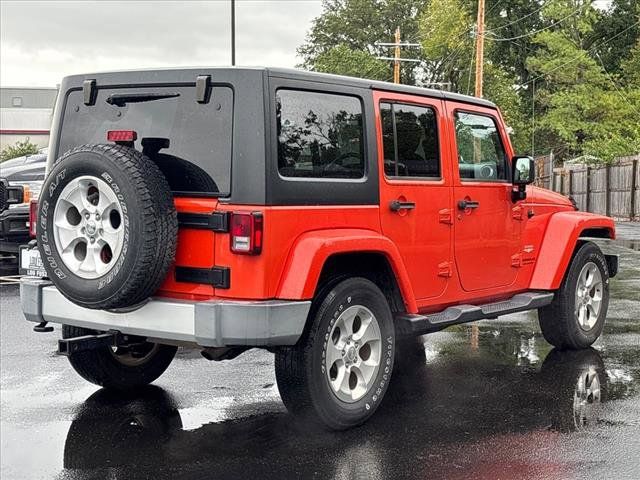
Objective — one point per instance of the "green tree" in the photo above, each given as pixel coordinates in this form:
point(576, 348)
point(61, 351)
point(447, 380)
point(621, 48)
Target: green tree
point(508, 33)
point(620, 24)
point(343, 60)
point(446, 28)
point(358, 25)
point(584, 109)
point(631, 68)
point(19, 149)
point(447, 42)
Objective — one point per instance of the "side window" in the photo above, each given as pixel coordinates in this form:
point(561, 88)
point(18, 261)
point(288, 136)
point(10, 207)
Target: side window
point(410, 141)
point(481, 155)
point(319, 135)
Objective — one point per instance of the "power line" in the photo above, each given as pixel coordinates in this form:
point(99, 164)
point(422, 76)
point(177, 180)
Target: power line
point(624, 97)
point(535, 31)
point(578, 56)
point(397, 45)
point(470, 69)
point(515, 21)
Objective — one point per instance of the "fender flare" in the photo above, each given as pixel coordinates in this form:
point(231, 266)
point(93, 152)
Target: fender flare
point(559, 243)
point(312, 249)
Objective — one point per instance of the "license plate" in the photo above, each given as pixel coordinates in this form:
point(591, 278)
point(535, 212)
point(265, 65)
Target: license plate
point(31, 263)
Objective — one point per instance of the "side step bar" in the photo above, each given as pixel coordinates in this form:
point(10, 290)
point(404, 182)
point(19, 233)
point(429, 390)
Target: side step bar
point(417, 324)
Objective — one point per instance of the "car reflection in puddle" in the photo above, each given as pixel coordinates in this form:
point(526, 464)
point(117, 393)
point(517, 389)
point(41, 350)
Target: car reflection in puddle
point(453, 404)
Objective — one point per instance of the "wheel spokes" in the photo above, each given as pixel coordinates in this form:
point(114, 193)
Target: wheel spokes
point(68, 234)
point(366, 333)
point(110, 237)
point(334, 353)
point(353, 353)
point(89, 264)
point(588, 296)
point(341, 382)
point(89, 228)
point(366, 370)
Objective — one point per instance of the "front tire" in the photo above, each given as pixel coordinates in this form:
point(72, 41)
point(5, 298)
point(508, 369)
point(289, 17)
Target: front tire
point(340, 369)
point(129, 368)
point(575, 318)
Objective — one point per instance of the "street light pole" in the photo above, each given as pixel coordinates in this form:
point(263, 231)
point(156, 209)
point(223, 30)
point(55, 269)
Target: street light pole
point(233, 32)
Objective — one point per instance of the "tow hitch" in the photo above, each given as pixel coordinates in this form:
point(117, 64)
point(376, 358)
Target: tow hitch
point(69, 346)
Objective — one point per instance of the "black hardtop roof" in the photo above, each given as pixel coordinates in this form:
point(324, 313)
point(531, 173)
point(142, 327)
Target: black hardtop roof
point(375, 84)
point(189, 74)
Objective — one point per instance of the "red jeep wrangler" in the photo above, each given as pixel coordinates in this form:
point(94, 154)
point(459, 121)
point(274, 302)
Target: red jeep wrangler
point(319, 217)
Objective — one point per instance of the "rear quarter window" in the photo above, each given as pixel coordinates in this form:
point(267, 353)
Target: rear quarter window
point(189, 141)
point(320, 135)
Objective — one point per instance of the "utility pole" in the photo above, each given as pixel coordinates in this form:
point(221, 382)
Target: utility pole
point(396, 54)
point(480, 49)
point(233, 32)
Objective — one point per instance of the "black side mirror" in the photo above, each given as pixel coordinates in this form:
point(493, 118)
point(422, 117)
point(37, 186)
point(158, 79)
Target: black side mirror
point(523, 172)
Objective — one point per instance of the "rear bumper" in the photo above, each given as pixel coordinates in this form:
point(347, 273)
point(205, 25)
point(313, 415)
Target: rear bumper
point(215, 323)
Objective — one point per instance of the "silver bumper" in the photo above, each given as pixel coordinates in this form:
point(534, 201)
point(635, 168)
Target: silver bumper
point(215, 323)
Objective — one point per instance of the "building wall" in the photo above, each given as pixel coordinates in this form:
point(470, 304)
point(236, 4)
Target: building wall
point(26, 113)
point(25, 97)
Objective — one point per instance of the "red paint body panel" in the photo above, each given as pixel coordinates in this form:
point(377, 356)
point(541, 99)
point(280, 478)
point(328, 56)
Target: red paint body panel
point(195, 249)
point(313, 248)
point(422, 239)
point(561, 236)
point(488, 236)
point(441, 256)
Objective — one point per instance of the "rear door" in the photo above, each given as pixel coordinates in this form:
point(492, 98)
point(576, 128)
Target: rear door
point(190, 142)
point(415, 187)
point(487, 232)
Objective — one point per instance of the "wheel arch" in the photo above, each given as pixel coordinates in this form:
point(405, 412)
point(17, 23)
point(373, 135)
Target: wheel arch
point(564, 234)
point(321, 256)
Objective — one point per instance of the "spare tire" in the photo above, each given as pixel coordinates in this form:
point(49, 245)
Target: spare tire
point(107, 226)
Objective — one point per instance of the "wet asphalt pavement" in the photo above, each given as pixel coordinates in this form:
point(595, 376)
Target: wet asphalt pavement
point(490, 401)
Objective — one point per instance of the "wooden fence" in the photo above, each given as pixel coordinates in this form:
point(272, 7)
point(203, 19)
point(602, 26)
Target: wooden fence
point(612, 190)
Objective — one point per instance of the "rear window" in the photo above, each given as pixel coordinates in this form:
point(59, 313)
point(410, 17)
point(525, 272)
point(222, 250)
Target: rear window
point(190, 142)
point(319, 135)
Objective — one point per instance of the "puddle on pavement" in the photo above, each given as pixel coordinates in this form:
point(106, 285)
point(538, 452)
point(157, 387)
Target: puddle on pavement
point(471, 386)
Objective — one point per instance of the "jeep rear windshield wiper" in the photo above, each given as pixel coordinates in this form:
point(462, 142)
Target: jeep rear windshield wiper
point(121, 99)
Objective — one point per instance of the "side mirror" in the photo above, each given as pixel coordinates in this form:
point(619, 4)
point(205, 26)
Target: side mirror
point(523, 173)
point(524, 170)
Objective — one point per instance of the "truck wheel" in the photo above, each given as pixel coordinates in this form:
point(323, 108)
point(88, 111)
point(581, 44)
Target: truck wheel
point(107, 226)
point(575, 318)
point(119, 368)
point(340, 369)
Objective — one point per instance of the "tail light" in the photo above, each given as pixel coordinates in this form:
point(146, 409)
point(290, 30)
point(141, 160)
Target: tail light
point(246, 232)
point(33, 217)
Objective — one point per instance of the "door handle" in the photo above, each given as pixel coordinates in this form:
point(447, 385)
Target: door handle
point(464, 204)
point(397, 205)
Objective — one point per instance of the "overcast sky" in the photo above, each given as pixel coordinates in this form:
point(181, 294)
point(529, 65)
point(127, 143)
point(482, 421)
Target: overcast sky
point(43, 41)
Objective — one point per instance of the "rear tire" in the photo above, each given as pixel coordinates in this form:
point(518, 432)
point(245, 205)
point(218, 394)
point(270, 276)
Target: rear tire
point(340, 369)
point(119, 370)
point(575, 318)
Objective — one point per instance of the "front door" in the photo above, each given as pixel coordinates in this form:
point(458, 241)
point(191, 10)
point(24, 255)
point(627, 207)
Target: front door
point(415, 187)
point(487, 234)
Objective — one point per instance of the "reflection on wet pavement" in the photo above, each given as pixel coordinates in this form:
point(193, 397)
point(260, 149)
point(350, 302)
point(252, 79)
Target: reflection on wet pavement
point(484, 401)
point(449, 409)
